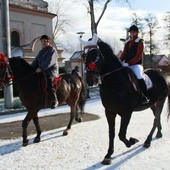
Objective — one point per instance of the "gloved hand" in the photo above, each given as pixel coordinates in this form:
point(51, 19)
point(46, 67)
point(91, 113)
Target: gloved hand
point(125, 64)
point(38, 70)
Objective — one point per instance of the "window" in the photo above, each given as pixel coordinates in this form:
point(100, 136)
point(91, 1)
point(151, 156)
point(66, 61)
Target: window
point(15, 39)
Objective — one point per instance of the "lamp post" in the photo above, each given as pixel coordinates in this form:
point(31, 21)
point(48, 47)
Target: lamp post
point(127, 35)
point(6, 47)
point(81, 58)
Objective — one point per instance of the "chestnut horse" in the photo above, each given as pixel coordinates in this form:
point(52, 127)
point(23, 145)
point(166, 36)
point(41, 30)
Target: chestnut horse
point(118, 95)
point(70, 90)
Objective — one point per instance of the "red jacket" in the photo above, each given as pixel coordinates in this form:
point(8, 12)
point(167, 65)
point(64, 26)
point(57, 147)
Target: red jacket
point(133, 51)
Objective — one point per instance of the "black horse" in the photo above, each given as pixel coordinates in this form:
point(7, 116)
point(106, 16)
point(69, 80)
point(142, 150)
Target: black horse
point(34, 97)
point(119, 96)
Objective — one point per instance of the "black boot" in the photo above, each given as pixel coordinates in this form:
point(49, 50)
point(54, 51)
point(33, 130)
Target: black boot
point(143, 88)
point(52, 93)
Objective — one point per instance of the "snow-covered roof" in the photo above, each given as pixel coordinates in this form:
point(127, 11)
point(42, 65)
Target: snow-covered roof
point(76, 55)
point(31, 4)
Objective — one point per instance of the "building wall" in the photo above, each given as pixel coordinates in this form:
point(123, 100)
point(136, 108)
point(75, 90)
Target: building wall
point(30, 19)
point(30, 26)
point(29, 23)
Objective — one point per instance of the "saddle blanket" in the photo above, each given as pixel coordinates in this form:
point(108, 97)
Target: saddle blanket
point(148, 81)
point(56, 81)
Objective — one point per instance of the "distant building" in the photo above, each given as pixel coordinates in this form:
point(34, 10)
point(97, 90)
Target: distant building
point(29, 19)
point(162, 62)
point(76, 60)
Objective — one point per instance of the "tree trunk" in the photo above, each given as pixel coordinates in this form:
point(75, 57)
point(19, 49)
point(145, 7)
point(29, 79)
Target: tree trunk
point(93, 22)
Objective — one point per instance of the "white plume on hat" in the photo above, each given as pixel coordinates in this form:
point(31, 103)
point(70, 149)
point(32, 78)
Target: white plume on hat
point(91, 42)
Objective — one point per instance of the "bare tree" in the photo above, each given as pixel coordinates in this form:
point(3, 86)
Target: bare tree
point(138, 21)
point(92, 12)
point(61, 21)
point(152, 24)
point(167, 32)
point(95, 23)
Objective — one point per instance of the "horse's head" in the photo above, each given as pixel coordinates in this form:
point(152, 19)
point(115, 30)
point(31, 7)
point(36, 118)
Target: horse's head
point(91, 54)
point(99, 58)
point(91, 58)
point(92, 77)
point(20, 67)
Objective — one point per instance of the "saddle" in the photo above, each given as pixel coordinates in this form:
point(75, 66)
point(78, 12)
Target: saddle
point(56, 81)
point(43, 84)
point(133, 81)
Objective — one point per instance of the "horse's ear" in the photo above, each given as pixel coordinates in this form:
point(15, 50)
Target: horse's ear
point(91, 42)
point(95, 39)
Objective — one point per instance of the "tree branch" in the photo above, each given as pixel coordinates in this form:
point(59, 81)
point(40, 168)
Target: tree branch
point(104, 9)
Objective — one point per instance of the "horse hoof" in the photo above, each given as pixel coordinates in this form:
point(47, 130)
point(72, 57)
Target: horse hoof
point(133, 141)
point(36, 140)
point(159, 135)
point(25, 143)
point(146, 145)
point(79, 119)
point(106, 161)
point(65, 133)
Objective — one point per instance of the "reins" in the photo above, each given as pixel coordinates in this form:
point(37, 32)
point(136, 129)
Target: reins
point(107, 74)
point(16, 81)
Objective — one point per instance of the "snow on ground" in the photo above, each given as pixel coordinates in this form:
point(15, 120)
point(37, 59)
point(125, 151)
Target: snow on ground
point(87, 144)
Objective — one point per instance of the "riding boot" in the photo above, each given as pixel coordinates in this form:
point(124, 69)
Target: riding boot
point(52, 93)
point(143, 88)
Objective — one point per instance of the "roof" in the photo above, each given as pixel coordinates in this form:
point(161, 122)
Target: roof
point(33, 4)
point(76, 55)
point(164, 61)
point(33, 7)
point(161, 60)
point(157, 58)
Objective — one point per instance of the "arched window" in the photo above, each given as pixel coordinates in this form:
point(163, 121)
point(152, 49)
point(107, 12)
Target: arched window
point(15, 39)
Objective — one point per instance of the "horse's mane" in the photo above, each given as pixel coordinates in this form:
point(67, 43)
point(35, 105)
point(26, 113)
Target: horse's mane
point(22, 70)
point(108, 53)
point(105, 48)
point(21, 64)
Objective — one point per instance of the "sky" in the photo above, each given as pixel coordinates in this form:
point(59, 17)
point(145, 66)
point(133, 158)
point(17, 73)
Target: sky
point(156, 5)
point(86, 144)
point(112, 27)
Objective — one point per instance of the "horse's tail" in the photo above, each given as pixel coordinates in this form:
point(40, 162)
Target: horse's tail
point(82, 98)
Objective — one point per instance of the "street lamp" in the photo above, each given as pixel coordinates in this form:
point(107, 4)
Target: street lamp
point(81, 58)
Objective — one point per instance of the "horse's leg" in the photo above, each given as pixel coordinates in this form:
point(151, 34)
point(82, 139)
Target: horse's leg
point(111, 123)
point(77, 118)
point(125, 119)
point(25, 123)
point(38, 129)
point(157, 109)
point(72, 115)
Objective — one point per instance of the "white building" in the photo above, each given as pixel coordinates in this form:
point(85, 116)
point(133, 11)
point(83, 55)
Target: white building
point(29, 19)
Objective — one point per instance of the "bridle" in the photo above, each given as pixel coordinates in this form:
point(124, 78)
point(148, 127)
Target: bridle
point(92, 65)
point(5, 73)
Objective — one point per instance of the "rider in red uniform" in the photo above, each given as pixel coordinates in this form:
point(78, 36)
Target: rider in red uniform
point(132, 58)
